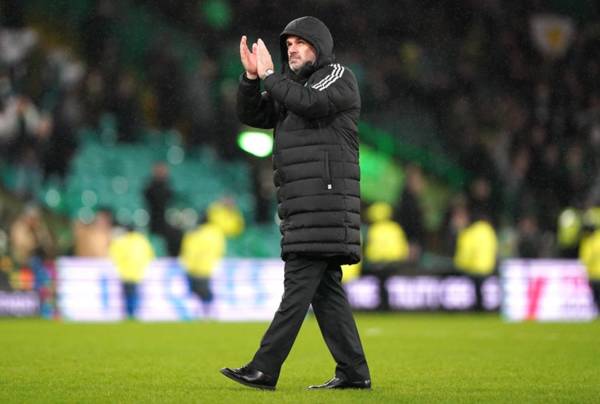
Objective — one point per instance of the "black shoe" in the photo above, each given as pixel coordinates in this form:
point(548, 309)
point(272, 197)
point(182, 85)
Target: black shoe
point(337, 383)
point(250, 377)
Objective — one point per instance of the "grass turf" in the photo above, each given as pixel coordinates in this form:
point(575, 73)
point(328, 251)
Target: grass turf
point(413, 358)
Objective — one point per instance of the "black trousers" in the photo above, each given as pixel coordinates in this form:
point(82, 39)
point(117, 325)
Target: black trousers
point(595, 287)
point(478, 285)
point(200, 286)
point(317, 282)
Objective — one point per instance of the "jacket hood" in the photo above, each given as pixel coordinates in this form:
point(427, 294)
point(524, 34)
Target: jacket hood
point(317, 34)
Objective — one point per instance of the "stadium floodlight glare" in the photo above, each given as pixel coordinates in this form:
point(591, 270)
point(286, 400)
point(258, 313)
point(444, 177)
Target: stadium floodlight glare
point(259, 144)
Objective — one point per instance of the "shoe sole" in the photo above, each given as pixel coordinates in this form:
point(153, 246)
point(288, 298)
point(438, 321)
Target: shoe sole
point(338, 388)
point(230, 375)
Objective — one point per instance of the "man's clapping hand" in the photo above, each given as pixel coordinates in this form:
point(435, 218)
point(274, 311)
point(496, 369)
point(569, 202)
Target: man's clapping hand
point(248, 58)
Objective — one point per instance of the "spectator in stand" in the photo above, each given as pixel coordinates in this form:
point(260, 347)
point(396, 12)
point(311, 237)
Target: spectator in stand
point(63, 76)
point(24, 132)
point(409, 213)
point(529, 238)
point(158, 194)
point(8, 114)
point(456, 219)
point(17, 40)
point(62, 143)
point(481, 200)
point(93, 239)
point(94, 96)
point(126, 107)
point(32, 244)
point(167, 83)
point(578, 173)
point(96, 31)
point(30, 237)
point(201, 102)
point(263, 188)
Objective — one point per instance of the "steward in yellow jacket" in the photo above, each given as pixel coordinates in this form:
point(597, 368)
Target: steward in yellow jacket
point(589, 253)
point(225, 214)
point(201, 251)
point(476, 249)
point(476, 253)
point(386, 245)
point(131, 253)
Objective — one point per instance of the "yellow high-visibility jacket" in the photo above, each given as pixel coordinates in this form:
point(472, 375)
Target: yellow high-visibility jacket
point(351, 272)
point(386, 242)
point(569, 228)
point(589, 254)
point(202, 249)
point(131, 254)
point(476, 249)
point(228, 218)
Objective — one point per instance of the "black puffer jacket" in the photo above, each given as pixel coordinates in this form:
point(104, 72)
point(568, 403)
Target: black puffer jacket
point(316, 172)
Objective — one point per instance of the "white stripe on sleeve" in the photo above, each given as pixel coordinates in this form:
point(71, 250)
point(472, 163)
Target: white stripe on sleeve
point(326, 77)
point(331, 78)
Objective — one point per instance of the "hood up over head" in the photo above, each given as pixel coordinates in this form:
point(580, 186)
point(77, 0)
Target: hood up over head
point(317, 34)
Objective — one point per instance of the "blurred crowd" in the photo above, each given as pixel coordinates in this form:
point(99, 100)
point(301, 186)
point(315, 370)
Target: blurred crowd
point(511, 88)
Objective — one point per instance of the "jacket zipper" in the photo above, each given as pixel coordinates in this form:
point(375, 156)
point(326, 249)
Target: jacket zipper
point(327, 171)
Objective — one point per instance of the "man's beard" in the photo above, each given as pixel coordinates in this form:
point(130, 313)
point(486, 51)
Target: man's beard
point(304, 71)
point(296, 69)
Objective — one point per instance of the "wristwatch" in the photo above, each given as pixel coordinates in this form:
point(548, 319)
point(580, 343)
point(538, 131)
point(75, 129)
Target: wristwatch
point(268, 72)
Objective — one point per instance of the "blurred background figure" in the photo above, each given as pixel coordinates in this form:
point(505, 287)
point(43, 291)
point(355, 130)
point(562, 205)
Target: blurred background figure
point(33, 247)
point(201, 252)
point(481, 199)
point(386, 244)
point(456, 220)
point(386, 247)
point(31, 242)
point(126, 108)
point(201, 103)
point(263, 190)
point(93, 239)
point(166, 79)
point(24, 132)
point(351, 272)
point(589, 252)
point(569, 232)
point(131, 254)
point(158, 194)
point(226, 215)
point(476, 253)
point(529, 239)
point(408, 212)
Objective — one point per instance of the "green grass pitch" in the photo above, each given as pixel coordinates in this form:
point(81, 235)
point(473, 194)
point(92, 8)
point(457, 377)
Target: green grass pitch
point(413, 358)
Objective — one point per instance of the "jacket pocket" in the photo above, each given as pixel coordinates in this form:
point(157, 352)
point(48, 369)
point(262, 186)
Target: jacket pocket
point(327, 170)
